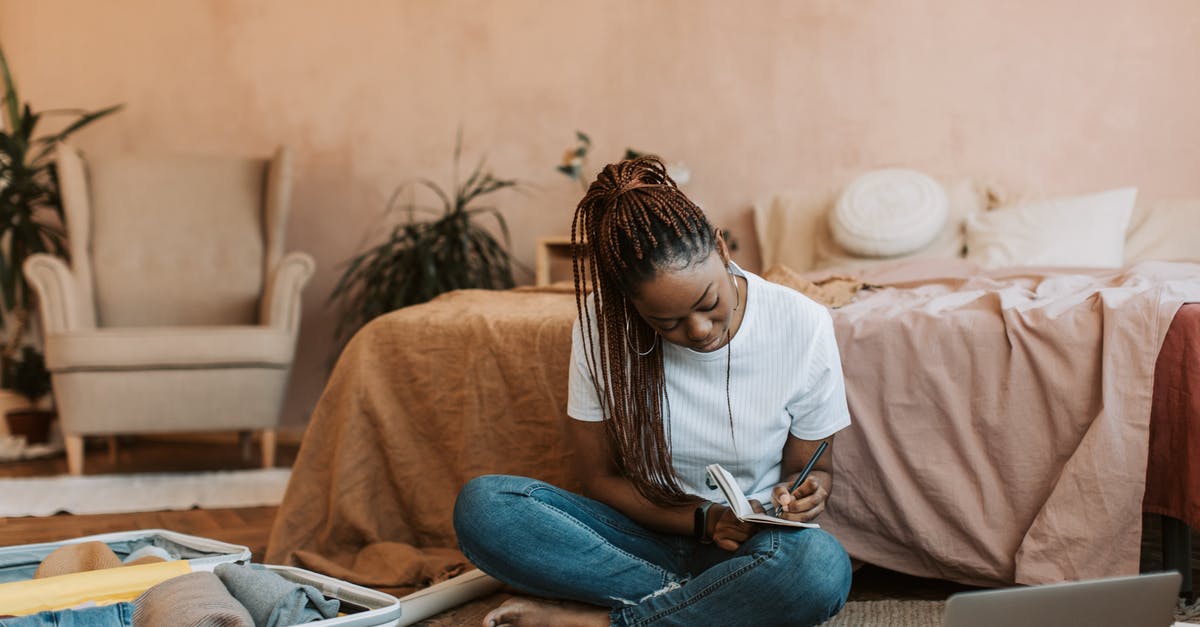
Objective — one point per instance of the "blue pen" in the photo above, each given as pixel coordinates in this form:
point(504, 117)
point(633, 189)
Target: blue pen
point(803, 473)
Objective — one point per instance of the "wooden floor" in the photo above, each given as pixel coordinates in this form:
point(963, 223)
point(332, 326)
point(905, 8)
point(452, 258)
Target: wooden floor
point(251, 527)
point(248, 527)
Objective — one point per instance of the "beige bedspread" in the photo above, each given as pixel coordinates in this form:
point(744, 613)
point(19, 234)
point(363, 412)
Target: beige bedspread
point(999, 436)
point(420, 401)
point(1001, 419)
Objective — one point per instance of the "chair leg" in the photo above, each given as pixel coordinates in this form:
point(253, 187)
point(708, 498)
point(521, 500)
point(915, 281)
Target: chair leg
point(74, 445)
point(247, 445)
point(268, 448)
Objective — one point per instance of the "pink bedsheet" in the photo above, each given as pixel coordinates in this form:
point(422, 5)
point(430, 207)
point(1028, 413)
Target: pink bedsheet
point(1000, 419)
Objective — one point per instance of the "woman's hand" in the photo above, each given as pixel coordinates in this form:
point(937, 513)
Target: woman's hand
point(726, 530)
point(806, 504)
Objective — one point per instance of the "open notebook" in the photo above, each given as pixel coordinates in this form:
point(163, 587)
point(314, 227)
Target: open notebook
point(740, 505)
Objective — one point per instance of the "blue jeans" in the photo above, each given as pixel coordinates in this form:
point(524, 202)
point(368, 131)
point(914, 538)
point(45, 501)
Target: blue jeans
point(115, 615)
point(555, 544)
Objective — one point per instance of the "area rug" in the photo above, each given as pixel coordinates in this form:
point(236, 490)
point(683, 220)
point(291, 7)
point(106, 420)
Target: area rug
point(113, 494)
point(889, 613)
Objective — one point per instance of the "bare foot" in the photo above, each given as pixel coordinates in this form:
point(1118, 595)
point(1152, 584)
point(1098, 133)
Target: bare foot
point(531, 612)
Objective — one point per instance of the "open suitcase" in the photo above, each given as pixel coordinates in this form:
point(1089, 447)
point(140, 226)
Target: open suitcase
point(361, 607)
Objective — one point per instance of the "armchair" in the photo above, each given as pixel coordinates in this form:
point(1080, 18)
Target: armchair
point(179, 310)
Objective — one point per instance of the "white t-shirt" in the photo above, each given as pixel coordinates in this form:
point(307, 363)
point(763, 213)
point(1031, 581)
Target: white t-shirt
point(785, 377)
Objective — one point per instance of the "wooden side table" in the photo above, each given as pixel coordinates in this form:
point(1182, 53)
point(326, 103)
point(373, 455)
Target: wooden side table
point(553, 259)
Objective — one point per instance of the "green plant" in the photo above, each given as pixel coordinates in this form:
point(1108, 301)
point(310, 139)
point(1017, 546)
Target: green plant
point(420, 259)
point(575, 158)
point(31, 216)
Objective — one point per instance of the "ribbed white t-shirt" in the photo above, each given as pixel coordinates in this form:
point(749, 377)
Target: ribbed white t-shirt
point(785, 376)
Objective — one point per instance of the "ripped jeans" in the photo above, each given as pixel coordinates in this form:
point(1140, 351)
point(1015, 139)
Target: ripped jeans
point(555, 544)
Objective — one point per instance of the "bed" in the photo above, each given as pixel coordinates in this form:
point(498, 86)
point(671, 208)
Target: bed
point(1011, 425)
point(1002, 419)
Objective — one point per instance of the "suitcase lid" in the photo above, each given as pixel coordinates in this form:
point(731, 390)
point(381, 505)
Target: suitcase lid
point(369, 608)
point(20, 562)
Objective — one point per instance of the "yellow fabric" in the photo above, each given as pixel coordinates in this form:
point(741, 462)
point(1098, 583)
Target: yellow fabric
point(104, 587)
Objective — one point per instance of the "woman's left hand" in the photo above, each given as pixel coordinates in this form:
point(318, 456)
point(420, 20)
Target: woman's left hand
point(807, 503)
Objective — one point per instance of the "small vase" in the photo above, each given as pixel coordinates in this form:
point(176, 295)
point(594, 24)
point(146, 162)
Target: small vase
point(30, 422)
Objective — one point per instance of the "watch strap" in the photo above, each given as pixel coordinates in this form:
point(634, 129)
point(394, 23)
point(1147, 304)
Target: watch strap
point(700, 522)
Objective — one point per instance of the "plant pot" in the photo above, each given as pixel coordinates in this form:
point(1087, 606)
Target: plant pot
point(32, 423)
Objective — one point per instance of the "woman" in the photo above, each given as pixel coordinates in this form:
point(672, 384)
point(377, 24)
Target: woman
point(679, 359)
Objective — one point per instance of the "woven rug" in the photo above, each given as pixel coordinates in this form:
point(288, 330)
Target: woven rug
point(1189, 612)
point(143, 492)
point(889, 614)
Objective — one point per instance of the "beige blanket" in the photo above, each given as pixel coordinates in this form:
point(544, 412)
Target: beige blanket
point(420, 401)
point(1000, 419)
point(999, 436)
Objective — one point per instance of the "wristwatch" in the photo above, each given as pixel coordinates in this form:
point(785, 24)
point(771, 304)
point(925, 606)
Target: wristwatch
point(700, 523)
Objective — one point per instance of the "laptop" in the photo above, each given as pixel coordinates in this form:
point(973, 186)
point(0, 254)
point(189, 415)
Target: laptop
point(1136, 601)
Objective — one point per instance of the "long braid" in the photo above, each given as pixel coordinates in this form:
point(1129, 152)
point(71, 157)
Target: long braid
point(633, 221)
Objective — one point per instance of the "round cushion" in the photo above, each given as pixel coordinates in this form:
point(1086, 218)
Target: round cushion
point(885, 213)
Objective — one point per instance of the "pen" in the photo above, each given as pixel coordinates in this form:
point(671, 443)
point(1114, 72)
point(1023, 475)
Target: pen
point(804, 473)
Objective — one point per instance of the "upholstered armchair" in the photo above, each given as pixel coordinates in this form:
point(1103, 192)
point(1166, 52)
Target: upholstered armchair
point(179, 309)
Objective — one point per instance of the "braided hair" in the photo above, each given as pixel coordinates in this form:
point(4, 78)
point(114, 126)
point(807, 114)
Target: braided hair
point(635, 222)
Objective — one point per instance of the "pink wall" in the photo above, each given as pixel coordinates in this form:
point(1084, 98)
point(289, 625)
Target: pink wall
point(1053, 95)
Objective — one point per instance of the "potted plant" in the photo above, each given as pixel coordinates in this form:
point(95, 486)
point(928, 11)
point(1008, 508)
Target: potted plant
point(421, 258)
point(31, 219)
point(576, 157)
point(28, 377)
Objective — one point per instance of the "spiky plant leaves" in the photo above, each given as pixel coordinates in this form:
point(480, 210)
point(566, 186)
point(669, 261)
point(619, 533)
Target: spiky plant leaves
point(28, 191)
point(422, 258)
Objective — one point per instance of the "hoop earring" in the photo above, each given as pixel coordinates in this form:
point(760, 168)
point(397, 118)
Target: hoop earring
point(737, 295)
point(629, 332)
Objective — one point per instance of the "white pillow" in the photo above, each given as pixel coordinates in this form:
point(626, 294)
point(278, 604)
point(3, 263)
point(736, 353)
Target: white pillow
point(1079, 231)
point(890, 212)
point(1165, 230)
point(965, 196)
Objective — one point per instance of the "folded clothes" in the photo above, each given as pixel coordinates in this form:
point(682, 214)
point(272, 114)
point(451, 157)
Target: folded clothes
point(115, 615)
point(148, 555)
point(77, 558)
point(195, 600)
point(272, 600)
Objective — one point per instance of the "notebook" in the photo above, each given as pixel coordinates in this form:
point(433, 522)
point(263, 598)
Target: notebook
point(740, 504)
point(1135, 601)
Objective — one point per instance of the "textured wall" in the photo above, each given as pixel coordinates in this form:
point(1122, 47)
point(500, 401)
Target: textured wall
point(754, 96)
